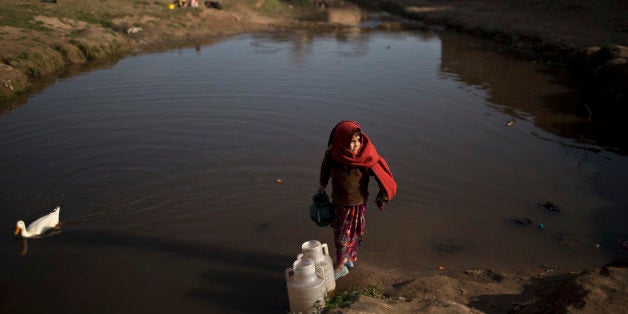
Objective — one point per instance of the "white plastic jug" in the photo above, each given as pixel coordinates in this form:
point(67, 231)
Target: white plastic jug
point(306, 291)
point(320, 254)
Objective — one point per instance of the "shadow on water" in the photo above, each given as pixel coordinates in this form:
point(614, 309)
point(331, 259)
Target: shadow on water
point(39, 84)
point(236, 279)
point(248, 291)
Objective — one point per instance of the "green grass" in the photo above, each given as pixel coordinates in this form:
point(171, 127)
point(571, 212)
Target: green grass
point(23, 56)
point(271, 6)
point(102, 18)
point(117, 46)
point(347, 297)
point(374, 291)
point(299, 3)
point(22, 16)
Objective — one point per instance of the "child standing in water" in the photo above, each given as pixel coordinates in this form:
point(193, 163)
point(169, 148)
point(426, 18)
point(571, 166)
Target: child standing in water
point(350, 159)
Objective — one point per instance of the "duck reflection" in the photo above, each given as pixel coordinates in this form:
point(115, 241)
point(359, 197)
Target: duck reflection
point(24, 248)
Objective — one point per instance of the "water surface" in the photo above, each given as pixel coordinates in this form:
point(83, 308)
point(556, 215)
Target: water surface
point(165, 167)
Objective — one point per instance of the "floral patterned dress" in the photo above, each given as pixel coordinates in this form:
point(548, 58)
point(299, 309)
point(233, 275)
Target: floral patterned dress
point(349, 224)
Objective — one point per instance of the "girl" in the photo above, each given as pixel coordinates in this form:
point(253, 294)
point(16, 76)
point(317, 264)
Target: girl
point(350, 159)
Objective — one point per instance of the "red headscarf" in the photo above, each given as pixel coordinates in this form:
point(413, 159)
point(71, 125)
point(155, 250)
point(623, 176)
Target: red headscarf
point(367, 156)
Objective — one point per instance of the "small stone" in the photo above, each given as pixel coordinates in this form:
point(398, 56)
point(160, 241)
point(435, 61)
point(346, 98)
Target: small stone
point(592, 50)
point(617, 61)
point(551, 206)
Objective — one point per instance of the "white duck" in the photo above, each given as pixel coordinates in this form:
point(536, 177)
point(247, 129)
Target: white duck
point(40, 225)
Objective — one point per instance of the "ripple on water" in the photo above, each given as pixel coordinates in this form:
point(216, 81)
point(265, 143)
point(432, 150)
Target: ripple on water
point(179, 138)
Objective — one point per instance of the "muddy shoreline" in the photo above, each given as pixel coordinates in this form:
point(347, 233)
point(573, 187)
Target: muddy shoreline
point(545, 289)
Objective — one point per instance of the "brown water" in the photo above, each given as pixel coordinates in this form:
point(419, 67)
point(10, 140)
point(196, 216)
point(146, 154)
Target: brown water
point(165, 168)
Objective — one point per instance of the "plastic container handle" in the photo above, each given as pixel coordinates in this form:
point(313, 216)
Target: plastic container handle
point(320, 272)
point(325, 249)
point(288, 271)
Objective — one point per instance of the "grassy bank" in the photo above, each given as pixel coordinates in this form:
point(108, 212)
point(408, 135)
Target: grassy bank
point(42, 39)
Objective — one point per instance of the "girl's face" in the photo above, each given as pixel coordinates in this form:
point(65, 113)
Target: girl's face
point(355, 144)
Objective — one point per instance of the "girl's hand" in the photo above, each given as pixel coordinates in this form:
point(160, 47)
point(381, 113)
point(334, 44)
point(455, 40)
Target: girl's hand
point(381, 200)
point(380, 204)
point(321, 189)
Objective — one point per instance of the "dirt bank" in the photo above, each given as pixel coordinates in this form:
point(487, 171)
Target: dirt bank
point(42, 39)
point(565, 23)
point(543, 290)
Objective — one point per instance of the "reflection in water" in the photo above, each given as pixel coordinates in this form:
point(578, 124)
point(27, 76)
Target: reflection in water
point(24, 248)
point(350, 31)
point(166, 166)
point(41, 83)
point(49, 233)
point(521, 91)
point(7, 106)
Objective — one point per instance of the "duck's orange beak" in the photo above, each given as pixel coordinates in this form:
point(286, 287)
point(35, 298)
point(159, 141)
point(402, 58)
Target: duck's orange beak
point(17, 230)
